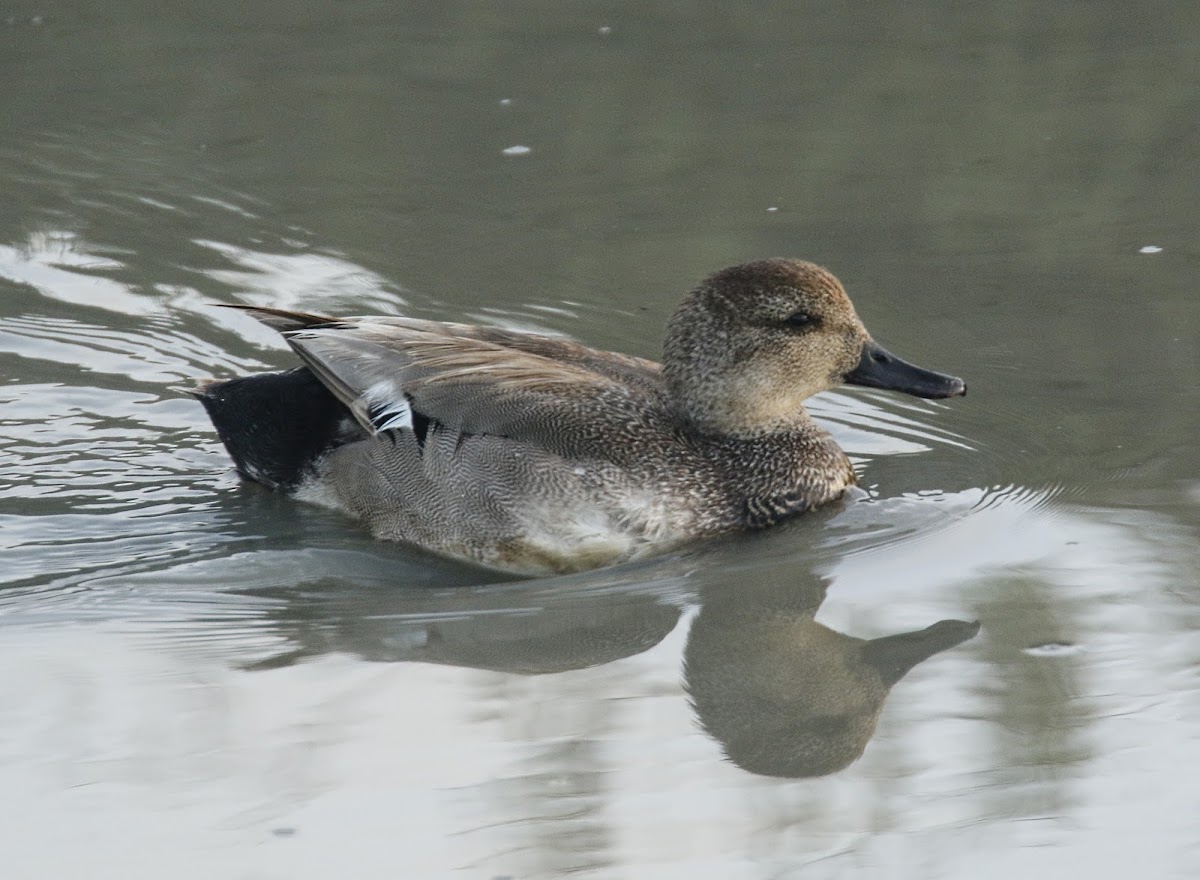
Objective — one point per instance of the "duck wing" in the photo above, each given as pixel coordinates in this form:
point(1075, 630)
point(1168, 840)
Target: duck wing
point(634, 371)
point(557, 394)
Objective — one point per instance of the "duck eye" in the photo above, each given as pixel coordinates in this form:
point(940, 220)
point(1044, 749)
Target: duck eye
point(801, 319)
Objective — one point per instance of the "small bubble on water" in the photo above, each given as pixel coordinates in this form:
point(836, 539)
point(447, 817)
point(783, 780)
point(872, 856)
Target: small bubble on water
point(1150, 249)
point(516, 150)
point(1053, 649)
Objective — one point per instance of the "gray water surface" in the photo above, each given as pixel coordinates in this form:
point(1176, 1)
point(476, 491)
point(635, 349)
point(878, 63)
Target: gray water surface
point(200, 679)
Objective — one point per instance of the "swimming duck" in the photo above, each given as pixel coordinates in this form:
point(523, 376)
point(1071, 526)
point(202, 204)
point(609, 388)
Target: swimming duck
point(531, 454)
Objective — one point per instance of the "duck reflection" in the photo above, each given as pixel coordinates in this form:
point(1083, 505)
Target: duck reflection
point(782, 694)
point(525, 629)
point(785, 695)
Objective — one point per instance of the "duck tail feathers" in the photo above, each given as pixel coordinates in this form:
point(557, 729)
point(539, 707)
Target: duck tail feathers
point(277, 426)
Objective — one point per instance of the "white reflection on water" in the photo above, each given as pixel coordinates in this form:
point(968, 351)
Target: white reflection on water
point(869, 423)
point(49, 263)
point(302, 280)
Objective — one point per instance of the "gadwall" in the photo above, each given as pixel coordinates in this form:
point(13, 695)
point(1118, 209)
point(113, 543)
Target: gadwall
point(530, 454)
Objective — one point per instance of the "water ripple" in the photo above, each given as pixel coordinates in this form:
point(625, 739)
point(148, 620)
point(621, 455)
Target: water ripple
point(56, 265)
point(871, 424)
point(304, 280)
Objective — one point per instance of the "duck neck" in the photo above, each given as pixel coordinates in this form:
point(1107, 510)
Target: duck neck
point(740, 413)
point(734, 426)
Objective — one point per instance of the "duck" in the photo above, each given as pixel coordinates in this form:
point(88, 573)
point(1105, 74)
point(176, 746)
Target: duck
point(534, 455)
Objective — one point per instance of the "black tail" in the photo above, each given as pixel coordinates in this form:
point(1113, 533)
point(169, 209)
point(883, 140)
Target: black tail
point(276, 425)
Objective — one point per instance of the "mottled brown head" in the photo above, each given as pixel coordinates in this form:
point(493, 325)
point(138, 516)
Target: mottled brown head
point(752, 342)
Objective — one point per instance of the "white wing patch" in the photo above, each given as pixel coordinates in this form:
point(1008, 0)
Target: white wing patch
point(386, 406)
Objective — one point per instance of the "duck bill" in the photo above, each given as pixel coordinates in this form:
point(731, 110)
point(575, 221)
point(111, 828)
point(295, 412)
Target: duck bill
point(879, 368)
point(893, 656)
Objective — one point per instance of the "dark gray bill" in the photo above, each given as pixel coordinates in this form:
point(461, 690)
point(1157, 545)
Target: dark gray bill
point(879, 368)
point(893, 656)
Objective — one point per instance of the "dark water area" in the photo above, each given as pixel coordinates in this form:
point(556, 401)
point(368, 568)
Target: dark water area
point(198, 678)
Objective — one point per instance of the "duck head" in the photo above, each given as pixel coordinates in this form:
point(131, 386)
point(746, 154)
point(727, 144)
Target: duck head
point(752, 342)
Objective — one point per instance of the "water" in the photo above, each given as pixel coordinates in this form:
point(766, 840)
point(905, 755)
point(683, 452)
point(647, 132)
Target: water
point(198, 678)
